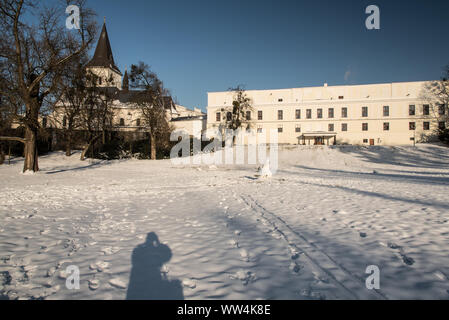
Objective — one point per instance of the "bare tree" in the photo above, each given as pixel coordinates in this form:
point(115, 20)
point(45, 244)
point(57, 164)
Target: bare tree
point(78, 89)
point(33, 57)
point(238, 115)
point(436, 93)
point(96, 111)
point(154, 101)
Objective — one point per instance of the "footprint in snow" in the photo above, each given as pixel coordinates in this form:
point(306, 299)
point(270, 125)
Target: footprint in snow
point(295, 267)
point(110, 250)
point(99, 266)
point(118, 283)
point(406, 259)
point(233, 243)
point(245, 276)
point(189, 283)
point(244, 254)
point(94, 284)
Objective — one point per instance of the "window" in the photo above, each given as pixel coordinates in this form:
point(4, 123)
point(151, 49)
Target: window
point(259, 115)
point(386, 126)
point(122, 122)
point(344, 127)
point(441, 125)
point(298, 114)
point(280, 115)
point(331, 112)
point(259, 129)
point(218, 117)
point(280, 129)
point(441, 110)
point(331, 127)
point(341, 97)
point(364, 126)
point(364, 112)
point(319, 113)
point(280, 100)
point(365, 140)
point(309, 113)
point(412, 125)
point(344, 112)
point(64, 121)
point(248, 115)
point(298, 128)
point(411, 110)
point(426, 126)
point(229, 116)
point(386, 111)
point(138, 122)
point(426, 110)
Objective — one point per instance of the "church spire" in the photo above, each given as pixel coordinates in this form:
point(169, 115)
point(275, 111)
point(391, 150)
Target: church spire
point(125, 82)
point(103, 53)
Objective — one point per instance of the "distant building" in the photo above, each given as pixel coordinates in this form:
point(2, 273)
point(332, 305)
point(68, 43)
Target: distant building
point(374, 114)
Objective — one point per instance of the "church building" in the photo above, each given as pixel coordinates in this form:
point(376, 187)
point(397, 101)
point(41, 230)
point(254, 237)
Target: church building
point(126, 114)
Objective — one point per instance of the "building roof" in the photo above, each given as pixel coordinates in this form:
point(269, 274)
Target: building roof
point(191, 118)
point(103, 53)
point(130, 96)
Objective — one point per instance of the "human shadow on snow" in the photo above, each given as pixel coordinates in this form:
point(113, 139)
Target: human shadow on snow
point(147, 282)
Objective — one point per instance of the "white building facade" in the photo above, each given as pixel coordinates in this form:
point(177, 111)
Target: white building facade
point(374, 114)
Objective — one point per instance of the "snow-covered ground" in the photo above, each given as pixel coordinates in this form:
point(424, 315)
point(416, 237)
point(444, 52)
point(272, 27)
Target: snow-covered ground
point(156, 230)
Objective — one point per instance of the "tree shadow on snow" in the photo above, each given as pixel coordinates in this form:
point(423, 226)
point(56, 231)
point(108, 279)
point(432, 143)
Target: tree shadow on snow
point(86, 167)
point(147, 282)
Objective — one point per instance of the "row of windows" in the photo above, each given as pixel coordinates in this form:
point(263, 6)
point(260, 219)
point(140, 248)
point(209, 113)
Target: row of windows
point(331, 113)
point(64, 122)
point(344, 127)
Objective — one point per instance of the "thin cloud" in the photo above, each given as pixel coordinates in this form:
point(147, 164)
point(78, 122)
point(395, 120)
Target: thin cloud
point(347, 75)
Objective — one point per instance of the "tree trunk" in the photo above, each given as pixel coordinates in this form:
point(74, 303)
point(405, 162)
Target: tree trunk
point(84, 152)
point(153, 147)
point(2, 155)
point(68, 145)
point(30, 151)
point(86, 148)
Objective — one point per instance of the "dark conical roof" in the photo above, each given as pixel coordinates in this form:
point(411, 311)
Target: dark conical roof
point(103, 53)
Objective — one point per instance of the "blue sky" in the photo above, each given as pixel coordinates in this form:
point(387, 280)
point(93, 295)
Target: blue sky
point(200, 46)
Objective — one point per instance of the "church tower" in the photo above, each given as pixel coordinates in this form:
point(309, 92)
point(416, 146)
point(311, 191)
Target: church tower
point(102, 63)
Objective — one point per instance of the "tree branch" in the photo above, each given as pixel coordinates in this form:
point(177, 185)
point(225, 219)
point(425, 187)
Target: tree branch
point(13, 139)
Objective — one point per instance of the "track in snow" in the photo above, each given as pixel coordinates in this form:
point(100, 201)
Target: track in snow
point(351, 286)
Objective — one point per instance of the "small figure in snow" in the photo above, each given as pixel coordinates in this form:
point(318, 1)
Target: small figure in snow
point(265, 172)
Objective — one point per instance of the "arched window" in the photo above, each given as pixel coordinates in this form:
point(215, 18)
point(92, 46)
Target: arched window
point(64, 121)
point(138, 122)
point(122, 122)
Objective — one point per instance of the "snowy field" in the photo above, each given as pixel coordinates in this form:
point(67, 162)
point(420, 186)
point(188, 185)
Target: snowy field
point(155, 230)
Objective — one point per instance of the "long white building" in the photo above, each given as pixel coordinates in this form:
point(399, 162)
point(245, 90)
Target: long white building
point(374, 114)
